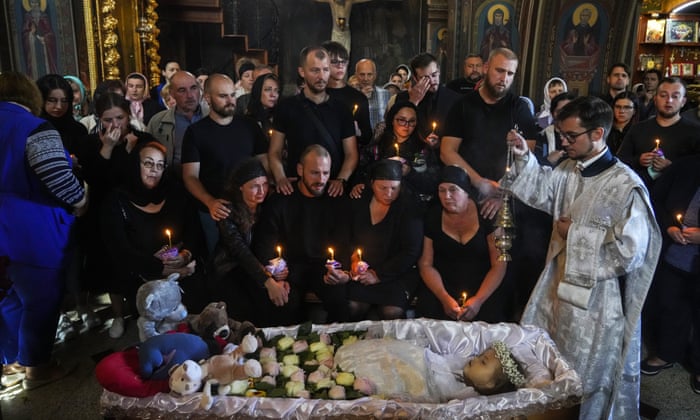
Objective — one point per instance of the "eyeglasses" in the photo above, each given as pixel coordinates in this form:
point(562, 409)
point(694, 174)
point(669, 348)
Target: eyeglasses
point(56, 100)
point(571, 137)
point(149, 164)
point(339, 62)
point(405, 123)
point(624, 107)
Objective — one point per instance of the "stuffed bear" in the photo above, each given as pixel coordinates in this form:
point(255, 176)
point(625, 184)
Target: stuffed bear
point(213, 323)
point(161, 352)
point(222, 369)
point(160, 307)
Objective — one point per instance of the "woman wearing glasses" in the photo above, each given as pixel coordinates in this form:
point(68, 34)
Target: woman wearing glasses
point(104, 159)
point(624, 116)
point(401, 141)
point(134, 219)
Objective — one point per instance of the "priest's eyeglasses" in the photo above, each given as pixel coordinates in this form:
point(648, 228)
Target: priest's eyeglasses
point(571, 137)
point(149, 164)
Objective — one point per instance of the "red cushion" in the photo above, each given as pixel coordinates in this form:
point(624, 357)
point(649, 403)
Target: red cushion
point(119, 372)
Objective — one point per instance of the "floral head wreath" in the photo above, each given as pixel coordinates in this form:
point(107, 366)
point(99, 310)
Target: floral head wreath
point(510, 366)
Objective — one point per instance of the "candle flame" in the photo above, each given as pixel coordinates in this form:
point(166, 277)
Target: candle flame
point(279, 251)
point(359, 253)
point(434, 125)
point(396, 145)
point(463, 299)
point(332, 252)
point(170, 242)
point(658, 142)
point(167, 232)
point(679, 217)
point(354, 109)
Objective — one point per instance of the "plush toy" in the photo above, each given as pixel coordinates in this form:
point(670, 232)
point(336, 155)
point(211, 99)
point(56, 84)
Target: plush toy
point(222, 369)
point(161, 352)
point(213, 323)
point(160, 307)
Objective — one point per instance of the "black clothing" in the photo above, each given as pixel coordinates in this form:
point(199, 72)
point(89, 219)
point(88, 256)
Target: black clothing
point(433, 108)
point(305, 227)
point(616, 137)
point(678, 140)
point(219, 149)
point(150, 108)
point(483, 128)
point(462, 85)
point(351, 97)
point(133, 236)
point(291, 119)
point(391, 248)
point(462, 268)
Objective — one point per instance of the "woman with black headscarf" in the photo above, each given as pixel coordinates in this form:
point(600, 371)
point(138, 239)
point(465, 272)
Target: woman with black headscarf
point(145, 229)
point(459, 265)
point(249, 288)
point(384, 232)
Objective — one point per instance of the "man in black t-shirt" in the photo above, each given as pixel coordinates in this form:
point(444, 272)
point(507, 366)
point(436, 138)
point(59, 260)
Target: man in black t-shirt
point(474, 139)
point(211, 149)
point(313, 117)
point(305, 223)
point(473, 67)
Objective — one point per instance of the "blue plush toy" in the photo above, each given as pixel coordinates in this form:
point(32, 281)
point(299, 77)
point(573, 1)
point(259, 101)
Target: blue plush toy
point(159, 353)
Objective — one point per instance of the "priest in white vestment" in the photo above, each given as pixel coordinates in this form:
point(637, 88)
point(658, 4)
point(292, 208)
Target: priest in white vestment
point(601, 259)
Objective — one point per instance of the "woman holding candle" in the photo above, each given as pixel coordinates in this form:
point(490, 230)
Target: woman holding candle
point(248, 287)
point(138, 220)
point(672, 310)
point(385, 233)
point(263, 100)
point(400, 141)
point(459, 256)
point(103, 157)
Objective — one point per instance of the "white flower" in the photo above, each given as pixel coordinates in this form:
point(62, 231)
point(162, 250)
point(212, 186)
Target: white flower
point(288, 370)
point(284, 343)
point(337, 392)
point(345, 378)
point(239, 387)
point(293, 388)
point(291, 359)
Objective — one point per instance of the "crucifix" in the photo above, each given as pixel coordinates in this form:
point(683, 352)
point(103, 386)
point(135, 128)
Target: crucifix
point(340, 10)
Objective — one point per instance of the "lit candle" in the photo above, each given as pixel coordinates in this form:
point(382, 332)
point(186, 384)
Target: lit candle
point(270, 133)
point(396, 145)
point(434, 126)
point(332, 252)
point(354, 109)
point(658, 142)
point(679, 217)
point(279, 251)
point(463, 299)
point(359, 253)
point(170, 239)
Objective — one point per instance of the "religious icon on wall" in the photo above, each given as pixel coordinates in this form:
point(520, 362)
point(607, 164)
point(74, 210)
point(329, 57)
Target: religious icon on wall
point(680, 31)
point(580, 40)
point(44, 41)
point(496, 29)
point(655, 31)
point(687, 70)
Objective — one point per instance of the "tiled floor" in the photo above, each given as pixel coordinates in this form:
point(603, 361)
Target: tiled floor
point(78, 395)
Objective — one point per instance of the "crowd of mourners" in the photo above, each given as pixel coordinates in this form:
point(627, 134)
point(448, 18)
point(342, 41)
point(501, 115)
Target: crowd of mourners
point(380, 200)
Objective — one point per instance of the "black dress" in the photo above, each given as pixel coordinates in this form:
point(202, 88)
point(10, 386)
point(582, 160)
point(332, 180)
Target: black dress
point(391, 248)
point(462, 268)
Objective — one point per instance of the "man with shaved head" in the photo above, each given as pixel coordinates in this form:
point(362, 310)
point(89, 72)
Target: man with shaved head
point(212, 148)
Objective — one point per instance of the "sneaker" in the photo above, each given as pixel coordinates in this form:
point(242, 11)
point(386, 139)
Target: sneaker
point(90, 319)
point(694, 383)
point(651, 370)
point(117, 328)
point(65, 330)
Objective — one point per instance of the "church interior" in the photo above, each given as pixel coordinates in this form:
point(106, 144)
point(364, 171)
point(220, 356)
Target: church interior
point(99, 40)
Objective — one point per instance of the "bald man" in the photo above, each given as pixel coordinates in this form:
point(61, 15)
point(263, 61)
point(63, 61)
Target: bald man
point(366, 72)
point(212, 148)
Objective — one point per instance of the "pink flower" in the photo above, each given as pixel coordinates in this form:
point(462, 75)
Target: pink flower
point(325, 338)
point(268, 353)
point(364, 386)
point(271, 368)
point(269, 380)
point(298, 376)
point(337, 392)
point(300, 346)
